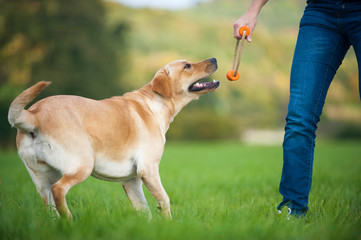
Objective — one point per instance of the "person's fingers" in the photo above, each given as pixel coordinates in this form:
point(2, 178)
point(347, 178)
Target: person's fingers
point(249, 37)
point(236, 30)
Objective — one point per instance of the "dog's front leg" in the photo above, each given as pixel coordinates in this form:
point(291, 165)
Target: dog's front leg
point(133, 189)
point(150, 177)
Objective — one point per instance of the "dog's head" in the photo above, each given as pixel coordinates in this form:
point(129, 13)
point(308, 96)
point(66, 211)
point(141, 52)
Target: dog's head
point(183, 79)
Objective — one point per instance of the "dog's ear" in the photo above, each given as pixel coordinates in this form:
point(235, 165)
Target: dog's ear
point(161, 84)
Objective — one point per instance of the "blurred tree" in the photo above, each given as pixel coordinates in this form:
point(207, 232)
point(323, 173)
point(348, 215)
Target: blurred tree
point(202, 124)
point(66, 42)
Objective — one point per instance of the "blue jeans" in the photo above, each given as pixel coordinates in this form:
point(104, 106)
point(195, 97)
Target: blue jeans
point(327, 30)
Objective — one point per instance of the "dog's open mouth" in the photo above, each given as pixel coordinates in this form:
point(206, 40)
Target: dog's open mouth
point(199, 86)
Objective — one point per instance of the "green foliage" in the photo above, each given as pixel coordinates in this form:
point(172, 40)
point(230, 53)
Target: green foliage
point(217, 190)
point(349, 131)
point(203, 124)
point(65, 42)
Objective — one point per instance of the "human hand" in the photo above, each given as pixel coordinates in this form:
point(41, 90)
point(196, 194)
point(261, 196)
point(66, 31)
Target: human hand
point(244, 20)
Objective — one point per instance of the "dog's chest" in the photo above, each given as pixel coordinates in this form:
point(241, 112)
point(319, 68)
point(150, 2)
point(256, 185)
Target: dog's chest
point(113, 170)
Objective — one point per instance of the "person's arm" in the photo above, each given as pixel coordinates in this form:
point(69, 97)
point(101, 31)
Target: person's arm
point(249, 18)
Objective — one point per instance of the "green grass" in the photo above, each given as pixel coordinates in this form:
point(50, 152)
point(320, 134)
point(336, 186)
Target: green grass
point(217, 190)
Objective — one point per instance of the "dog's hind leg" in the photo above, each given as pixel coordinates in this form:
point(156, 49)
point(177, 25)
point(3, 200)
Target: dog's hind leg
point(44, 178)
point(43, 175)
point(61, 188)
point(133, 189)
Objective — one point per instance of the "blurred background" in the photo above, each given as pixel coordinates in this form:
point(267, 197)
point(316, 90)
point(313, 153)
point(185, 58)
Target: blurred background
point(98, 49)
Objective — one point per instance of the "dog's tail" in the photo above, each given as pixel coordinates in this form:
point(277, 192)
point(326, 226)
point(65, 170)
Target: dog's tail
point(19, 117)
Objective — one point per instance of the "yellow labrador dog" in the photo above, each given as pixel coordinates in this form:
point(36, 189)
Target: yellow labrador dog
point(63, 139)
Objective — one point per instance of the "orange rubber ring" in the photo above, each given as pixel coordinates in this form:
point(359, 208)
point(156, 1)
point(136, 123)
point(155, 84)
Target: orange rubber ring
point(244, 28)
point(231, 77)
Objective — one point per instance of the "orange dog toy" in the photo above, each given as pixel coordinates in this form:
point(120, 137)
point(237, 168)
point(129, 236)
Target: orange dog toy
point(234, 75)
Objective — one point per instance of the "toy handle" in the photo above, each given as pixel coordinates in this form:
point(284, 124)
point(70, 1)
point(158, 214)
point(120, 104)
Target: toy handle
point(234, 75)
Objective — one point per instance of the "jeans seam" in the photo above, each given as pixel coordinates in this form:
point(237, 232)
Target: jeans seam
point(315, 109)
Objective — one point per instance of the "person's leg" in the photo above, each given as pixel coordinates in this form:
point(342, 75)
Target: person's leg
point(319, 52)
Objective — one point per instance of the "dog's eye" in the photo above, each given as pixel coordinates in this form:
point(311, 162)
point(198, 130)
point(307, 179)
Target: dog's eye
point(187, 65)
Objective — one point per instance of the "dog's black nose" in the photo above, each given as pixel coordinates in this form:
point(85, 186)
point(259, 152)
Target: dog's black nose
point(213, 60)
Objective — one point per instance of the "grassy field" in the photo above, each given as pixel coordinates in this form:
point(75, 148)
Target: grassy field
point(217, 190)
